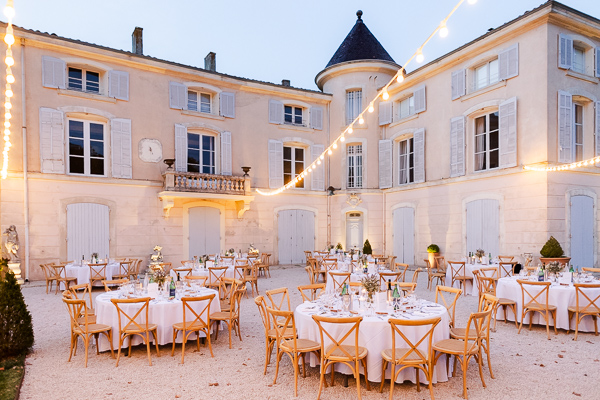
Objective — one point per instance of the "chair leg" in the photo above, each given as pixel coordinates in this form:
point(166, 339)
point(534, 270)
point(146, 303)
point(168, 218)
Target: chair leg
point(554, 319)
point(364, 362)
point(119, 349)
point(267, 354)
point(464, 370)
point(383, 366)
point(73, 339)
point(173, 348)
point(480, 363)
point(279, 355)
point(487, 350)
point(295, 361)
point(86, 343)
point(357, 377)
point(392, 380)
point(184, 339)
point(147, 347)
point(321, 380)
point(418, 380)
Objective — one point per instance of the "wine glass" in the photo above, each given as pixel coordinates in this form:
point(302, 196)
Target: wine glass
point(346, 300)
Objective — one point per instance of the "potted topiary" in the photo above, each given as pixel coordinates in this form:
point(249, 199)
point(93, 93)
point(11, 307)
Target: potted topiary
point(367, 247)
point(433, 251)
point(552, 251)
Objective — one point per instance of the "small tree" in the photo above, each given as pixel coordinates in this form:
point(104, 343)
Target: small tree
point(367, 247)
point(16, 329)
point(552, 249)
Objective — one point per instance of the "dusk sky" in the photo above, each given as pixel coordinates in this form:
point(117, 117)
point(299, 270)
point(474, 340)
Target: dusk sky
point(271, 40)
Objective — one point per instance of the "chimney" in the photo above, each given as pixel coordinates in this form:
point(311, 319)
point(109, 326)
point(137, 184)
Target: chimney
point(136, 41)
point(210, 62)
point(285, 82)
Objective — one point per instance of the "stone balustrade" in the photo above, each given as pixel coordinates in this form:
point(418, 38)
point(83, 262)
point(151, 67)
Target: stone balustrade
point(206, 183)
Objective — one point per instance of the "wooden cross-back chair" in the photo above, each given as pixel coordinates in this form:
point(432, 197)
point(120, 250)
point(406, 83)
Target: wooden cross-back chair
point(231, 317)
point(440, 264)
point(506, 269)
point(183, 272)
point(97, 272)
point(60, 276)
point(432, 275)
point(394, 277)
point(458, 273)
point(311, 292)
point(587, 304)
point(265, 264)
point(402, 268)
point(110, 283)
point(487, 285)
point(125, 270)
point(279, 298)
point(407, 287)
point(329, 264)
point(48, 276)
point(79, 292)
point(506, 258)
point(447, 296)
point(317, 270)
point(536, 302)
point(339, 279)
point(201, 280)
point(200, 322)
point(215, 278)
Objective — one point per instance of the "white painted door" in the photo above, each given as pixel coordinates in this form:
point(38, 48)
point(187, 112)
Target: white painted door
point(483, 226)
point(582, 231)
point(403, 220)
point(205, 231)
point(354, 230)
point(87, 230)
point(296, 233)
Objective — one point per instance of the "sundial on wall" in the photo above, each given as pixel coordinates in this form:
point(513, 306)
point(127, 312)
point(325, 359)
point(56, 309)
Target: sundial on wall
point(150, 150)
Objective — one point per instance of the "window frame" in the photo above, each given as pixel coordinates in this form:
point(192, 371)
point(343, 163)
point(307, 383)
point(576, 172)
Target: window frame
point(488, 81)
point(357, 174)
point(487, 134)
point(199, 101)
point(87, 147)
point(581, 123)
point(201, 150)
point(295, 165)
point(294, 108)
point(353, 110)
point(410, 160)
point(411, 106)
point(84, 79)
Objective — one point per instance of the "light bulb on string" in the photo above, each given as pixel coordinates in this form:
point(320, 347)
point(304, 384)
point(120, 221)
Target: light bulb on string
point(472, 1)
point(7, 115)
point(371, 108)
point(9, 39)
point(385, 95)
point(329, 152)
point(420, 57)
point(9, 11)
point(322, 156)
point(10, 78)
point(361, 120)
point(334, 145)
point(319, 162)
point(9, 61)
point(342, 139)
point(350, 130)
point(443, 30)
point(8, 105)
point(400, 77)
point(8, 93)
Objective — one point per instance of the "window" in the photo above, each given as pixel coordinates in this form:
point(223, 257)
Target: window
point(197, 101)
point(578, 59)
point(201, 153)
point(355, 166)
point(292, 115)
point(577, 132)
point(293, 164)
point(86, 148)
point(486, 142)
point(353, 105)
point(406, 161)
point(406, 107)
point(485, 75)
point(83, 80)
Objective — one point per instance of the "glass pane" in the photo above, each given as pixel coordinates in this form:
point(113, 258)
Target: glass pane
point(299, 153)
point(287, 167)
point(208, 142)
point(299, 168)
point(96, 149)
point(193, 156)
point(481, 77)
point(193, 168)
point(493, 121)
point(205, 103)
point(92, 83)
point(287, 178)
point(75, 79)
point(298, 116)
point(192, 101)
point(76, 129)
point(578, 59)
point(287, 153)
point(76, 165)
point(75, 147)
point(96, 132)
point(479, 161)
point(207, 158)
point(493, 71)
point(480, 144)
point(404, 107)
point(97, 166)
point(480, 125)
point(494, 158)
point(193, 141)
point(494, 140)
point(287, 114)
point(300, 184)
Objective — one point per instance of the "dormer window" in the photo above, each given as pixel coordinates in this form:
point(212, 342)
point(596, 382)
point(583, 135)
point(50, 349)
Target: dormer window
point(84, 80)
point(198, 101)
point(292, 115)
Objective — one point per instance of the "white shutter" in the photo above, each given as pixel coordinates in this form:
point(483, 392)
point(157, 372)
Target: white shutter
point(565, 126)
point(565, 51)
point(227, 104)
point(316, 118)
point(458, 83)
point(597, 62)
point(385, 112)
point(508, 62)
point(52, 145)
point(598, 131)
point(118, 85)
point(420, 99)
point(508, 132)
point(385, 164)
point(177, 95)
point(419, 155)
point(275, 164)
point(275, 112)
point(181, 148)
point(120, 133)
point(318, 173)
point(54, 72)
point(226, 168)
point(457, 146)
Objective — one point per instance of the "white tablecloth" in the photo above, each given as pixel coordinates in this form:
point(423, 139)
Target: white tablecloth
point(82, 272)
point(354, 277)
point(229, 273)
point(471, 287)
point(163, 313)
point(375, 333)
point(560, 296)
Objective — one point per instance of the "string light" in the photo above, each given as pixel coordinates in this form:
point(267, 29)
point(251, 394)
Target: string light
point(9, 39)
point(383, 93)
point(563, 167)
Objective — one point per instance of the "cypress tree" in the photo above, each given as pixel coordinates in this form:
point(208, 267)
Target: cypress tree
point(367, 247)
point(16, 329)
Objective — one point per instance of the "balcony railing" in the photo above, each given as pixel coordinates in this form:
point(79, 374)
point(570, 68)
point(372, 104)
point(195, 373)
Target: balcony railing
point(206, 183)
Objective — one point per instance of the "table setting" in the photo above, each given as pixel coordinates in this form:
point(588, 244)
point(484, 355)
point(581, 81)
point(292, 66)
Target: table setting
point(81, 270)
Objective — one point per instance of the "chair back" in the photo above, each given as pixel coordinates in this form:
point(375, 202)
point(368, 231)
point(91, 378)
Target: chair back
point(230, 285)
point(47, 274)
point(183, 272)
point(236, 297)
point(407, 287)
point(58, 271)
point(330, 264)
point(77, 314)
point(199, 318)
point(457, 268)
point(279, 298)
point(487, 302)
point(186, 263)
point(584, 297)
point(126, 268)
point(402, 268)
point(97, 272)
point(415, 276)
point(487, 285)
point(82, 289)
point(506, 258)
point(227, 260)
point(310, 273)
point(395, 277)
point(535, 300)
point(113, 282)
point(216, 275)
point(447, 296)
point(506, 268)
point(440, 264)
point(265, 259)
point(262, 310)
point(334, 332)
point(239, 271)
point(419, 350)
point(339, 279)
point(478, 326)
point(309, 292)
point(282, 321)
point(201, 280)
point(307, 254)
point(491, 272)
point(128, 322)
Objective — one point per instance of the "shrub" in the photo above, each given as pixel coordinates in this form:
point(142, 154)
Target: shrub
point(433, 248)
point(367, 247)
point(16, 329)
point(552, 249)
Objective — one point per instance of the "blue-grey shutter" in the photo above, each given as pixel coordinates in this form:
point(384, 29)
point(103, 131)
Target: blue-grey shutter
point(565, 127)
point(275, 164)
point(508, 62)
point(54, 72)
point(318, 173)
point(508, 132)
point(565, 51)
point(597, 130)
point(597, 62)
point(458, 83)
point(457, 146)
point(120, 132)
point(316, 118)
point(275, 112)
point(227, 104)
point(385, 112)
point(118, 85)
point(177, 95)
point(419, 155)
point(52, 145)
point(385, 164)
point(181, 148)
point(226, 167)
point(420, 99)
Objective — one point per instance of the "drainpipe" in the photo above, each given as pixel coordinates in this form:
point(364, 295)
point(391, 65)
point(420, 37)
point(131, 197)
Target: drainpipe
point(328, 175)
point(25, 166)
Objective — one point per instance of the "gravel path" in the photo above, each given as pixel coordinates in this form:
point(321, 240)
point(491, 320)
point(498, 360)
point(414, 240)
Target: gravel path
point(526, 365)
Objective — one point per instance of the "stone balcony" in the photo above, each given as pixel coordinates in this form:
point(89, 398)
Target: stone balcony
point(191, 185)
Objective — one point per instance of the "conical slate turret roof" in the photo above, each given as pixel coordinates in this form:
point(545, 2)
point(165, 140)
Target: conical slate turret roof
point(360, 44)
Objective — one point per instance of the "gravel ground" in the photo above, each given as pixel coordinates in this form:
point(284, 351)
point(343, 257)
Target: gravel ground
point(525, 366)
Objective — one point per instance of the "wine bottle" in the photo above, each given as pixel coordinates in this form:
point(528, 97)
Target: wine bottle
point(541, 274)
point(172, 288)
point(389, 291)
point(345, 289)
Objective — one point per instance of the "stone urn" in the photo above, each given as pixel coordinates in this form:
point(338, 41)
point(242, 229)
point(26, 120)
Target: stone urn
point(561, 260)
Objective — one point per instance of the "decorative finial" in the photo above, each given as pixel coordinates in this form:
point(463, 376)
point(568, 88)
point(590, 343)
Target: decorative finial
point(359, 14)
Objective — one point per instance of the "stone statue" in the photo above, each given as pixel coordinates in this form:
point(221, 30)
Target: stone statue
point(11, 244)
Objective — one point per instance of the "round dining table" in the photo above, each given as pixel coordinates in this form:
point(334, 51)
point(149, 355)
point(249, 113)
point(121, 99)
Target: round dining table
point(471, 287)
point(81, 271)
point(561, 296)
point(375, 334)
point(162, 312)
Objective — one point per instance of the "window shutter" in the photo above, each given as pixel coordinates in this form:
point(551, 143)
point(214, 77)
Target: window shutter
point(227, 104)
point(181, 148)
point(177, 95)
point(226, 167)
point(120, 131)
point(420, 100)
point(457, 146)
point(565, 51)
point(118, 85)
point(597, 62)
point(458, 83)
point(275, 164)
point(54, 72)
point(52, 145)
point(508, 61)
point(597, 131)
point(385, 112)
point(318, 173)
point(419, 152)
point(316, 118)
point(275, 112)
point(385, 164)
point(565, 126)
point(508, 133)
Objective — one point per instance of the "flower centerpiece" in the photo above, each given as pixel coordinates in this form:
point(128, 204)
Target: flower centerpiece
point(554, 267)
point(252, 250)
point(479, 253)
point(371, 285)
point(339, 246)
point(94, 257)
point(230, 252)
point(159, 275)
